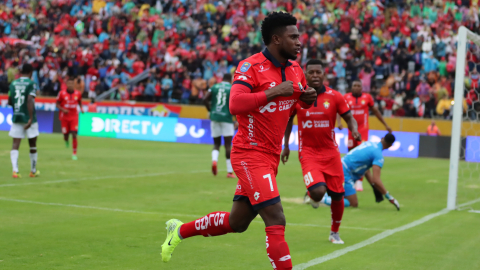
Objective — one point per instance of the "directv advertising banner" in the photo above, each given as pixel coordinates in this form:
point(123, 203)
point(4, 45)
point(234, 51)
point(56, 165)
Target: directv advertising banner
point(406, 144)
point(472, 149)
point(45, 120)
point(128, 127)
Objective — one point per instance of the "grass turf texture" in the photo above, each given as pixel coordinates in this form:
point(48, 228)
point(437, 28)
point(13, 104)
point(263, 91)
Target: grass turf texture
point(166, 180)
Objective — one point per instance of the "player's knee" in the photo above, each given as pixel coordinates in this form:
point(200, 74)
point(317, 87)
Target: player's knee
point(318, 193)
point(354, 204)
point(239, 226)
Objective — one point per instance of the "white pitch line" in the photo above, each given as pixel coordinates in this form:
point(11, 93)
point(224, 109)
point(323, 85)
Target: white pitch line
point(474, 211)
point(151, 213)
point(341, 227)
point(375, 238)
point(99, 178)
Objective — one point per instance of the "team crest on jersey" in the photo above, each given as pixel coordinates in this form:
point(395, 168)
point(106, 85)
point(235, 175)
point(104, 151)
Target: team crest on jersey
point(326, 104)
point(363, 102)
point(245, 67)
point(300, 86)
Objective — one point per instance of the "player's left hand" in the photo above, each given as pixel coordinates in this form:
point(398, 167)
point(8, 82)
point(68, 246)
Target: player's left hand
point(356, 135)
point(285, 155)
point(389, 129)
point(309, 96)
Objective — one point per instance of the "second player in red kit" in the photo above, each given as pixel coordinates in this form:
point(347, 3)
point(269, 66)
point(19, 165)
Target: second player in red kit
point(266, 86)
point(67, 103)
point(317, 150)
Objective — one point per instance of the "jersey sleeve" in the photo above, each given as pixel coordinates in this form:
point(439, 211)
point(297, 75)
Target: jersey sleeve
point(370, 101)
point(33, 89)
point(342, 105)
point(245, 75)
point(378, 159)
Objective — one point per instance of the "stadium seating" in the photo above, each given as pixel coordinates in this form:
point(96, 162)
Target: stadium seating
point(403, 51)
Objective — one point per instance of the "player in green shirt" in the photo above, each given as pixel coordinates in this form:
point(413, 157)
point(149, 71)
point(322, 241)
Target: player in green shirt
point(21, 96)
point(217, 103)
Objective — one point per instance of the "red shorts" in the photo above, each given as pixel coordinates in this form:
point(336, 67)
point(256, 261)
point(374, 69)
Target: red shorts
point(69, 125)
point(352, 143)
point(256, 173)
point(326, 171)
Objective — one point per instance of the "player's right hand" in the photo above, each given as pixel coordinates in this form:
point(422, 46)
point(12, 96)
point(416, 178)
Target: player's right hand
point(357, 136)
point(285, 154)
point(340, 126)
point(28, 125)
point(285, 89)
point(64, 110)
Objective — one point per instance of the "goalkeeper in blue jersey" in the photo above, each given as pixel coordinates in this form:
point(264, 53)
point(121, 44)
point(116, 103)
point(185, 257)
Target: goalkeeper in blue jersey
point(358, 163)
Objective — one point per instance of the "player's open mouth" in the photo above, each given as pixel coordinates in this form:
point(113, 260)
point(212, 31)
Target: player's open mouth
point(297, 50)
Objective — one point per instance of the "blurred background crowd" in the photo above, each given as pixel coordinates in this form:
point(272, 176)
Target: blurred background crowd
point(403, 51)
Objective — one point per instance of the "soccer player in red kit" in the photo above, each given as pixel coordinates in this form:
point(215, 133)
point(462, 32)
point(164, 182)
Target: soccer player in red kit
point(360, 105)
point(317, 150)
point(67, 102)
point(266, 86)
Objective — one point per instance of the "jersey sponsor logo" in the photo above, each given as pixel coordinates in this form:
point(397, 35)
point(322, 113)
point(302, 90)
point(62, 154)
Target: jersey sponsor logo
point(307, 124)
point(355, 112)
point(251, 127)
point(308, 114)
point(256, 195)
point(247, 172)
point(245, 67)
point(270, 107)
point(262, 69)
point(326, 104)
point(282, 106)
point(244, 78)
point(272, 85)
point(239, 187)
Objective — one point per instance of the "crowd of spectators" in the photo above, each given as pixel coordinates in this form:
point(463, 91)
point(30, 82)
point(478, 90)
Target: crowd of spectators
point(403, 51)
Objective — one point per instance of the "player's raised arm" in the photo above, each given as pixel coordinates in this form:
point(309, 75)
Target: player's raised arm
point(288, 131)
point(380, 118)
point(243, 101)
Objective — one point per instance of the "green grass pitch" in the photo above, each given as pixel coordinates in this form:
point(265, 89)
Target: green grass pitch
point(108, 211)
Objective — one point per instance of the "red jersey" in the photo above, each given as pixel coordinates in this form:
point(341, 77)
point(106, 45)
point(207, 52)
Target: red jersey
point(263, 128)
point(69, 101)
point(316, 125)
point(360, 107)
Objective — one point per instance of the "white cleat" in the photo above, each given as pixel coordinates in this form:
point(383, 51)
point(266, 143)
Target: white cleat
point(359, 185)
point(335, 238)
point(308, 200)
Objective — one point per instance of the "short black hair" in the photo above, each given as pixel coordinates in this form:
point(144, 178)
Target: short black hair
point(357, 80)
point(274, 22)
point(389, 138)
point(314, 62)
point(227, 77)
point(27, 68)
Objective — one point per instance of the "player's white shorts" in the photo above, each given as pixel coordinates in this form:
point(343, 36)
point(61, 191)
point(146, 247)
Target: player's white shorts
point(92, 94)
point(221, 129)
point(17, 131)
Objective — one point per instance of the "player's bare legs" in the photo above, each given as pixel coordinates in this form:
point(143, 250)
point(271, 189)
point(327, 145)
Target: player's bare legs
point(228, 149)
point(33, 157)
point(65, 138)
point(353, 200)
point(14, 156)
point(74, 144)
point(217, 142)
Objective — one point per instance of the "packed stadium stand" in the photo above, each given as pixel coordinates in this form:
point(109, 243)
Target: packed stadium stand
point(404, 51)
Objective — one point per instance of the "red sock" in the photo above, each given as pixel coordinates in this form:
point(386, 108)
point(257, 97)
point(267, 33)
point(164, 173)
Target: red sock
point(74, 144)
point(213, 224)
point(337, 208)
point(277, 248)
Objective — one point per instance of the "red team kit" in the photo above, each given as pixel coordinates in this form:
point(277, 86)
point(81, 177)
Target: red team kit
point(69, 101)
point(318, 151)
point(360, 107)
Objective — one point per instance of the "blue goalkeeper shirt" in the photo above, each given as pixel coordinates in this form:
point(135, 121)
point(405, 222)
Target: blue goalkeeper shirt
point(362, 158)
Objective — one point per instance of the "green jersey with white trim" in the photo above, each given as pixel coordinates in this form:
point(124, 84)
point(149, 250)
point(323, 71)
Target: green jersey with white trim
point(19, 91)
point(220, 111)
